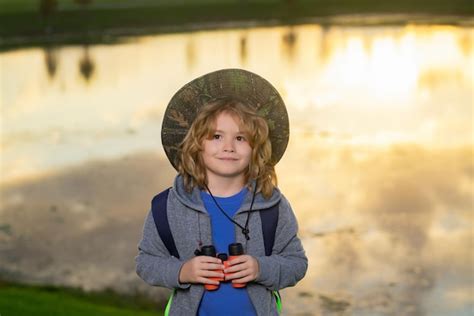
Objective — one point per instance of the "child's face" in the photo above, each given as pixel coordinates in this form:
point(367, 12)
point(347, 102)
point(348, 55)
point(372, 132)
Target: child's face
point(226, 155)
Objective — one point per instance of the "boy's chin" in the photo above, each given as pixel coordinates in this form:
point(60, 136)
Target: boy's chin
point(228, 174)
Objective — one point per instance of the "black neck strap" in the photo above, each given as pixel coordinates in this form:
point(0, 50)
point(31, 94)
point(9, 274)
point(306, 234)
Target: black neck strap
point(245, 230)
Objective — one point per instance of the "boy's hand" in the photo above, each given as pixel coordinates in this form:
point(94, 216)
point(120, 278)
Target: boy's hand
point(243, 269)
point(199, 269)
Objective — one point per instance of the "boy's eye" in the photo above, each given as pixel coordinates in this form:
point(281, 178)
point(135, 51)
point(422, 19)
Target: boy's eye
point(216, 136)
point(240, 138)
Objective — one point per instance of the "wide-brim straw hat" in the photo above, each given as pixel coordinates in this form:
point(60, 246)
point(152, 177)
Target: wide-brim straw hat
point(243, 85)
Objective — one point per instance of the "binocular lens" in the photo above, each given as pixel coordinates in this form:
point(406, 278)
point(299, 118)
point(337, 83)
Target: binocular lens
point(236, 249)
point(208, 251)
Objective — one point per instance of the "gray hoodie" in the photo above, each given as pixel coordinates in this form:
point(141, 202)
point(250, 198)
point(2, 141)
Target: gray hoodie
point(189, 222)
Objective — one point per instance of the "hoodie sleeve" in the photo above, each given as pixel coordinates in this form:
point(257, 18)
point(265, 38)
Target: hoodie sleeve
point(288, 263)
point(154, 264)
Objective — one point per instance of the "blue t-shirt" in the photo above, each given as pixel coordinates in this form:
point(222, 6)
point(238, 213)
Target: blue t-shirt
point(226, 300)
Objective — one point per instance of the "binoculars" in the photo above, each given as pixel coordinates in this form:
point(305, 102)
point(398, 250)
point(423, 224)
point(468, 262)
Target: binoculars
point(235, 250)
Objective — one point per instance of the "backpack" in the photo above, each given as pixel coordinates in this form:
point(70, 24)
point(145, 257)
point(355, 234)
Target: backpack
point(269, 219)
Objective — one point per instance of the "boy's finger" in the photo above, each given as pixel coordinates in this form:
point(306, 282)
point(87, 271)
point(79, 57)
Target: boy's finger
point(238, 260)
point(214, 266)
point(209, 259)
point(236, 275)
point(208, 281)
point(230, 277)
point(235, 268)
point(213, 274)
point(246, 279)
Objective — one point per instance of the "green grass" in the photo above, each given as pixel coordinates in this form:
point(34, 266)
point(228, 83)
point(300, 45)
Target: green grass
point(22, 300)
point(105, 21)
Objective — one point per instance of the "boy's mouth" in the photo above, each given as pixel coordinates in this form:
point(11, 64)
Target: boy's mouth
point(227, 158)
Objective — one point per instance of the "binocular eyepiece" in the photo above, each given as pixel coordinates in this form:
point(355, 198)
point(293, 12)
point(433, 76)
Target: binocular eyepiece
point(235, 250)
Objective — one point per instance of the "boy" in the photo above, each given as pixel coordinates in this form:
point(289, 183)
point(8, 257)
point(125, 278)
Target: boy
point(224, 132)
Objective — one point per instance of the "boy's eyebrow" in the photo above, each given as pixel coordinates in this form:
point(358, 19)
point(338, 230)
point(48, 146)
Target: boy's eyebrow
point(220, 131)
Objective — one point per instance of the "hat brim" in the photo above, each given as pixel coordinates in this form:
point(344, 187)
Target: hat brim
point(243, 85)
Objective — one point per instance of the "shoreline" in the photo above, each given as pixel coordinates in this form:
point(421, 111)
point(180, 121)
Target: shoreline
point(120, 35)
point(29, 24)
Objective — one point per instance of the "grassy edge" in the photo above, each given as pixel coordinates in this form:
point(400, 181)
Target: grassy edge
point(106, 299)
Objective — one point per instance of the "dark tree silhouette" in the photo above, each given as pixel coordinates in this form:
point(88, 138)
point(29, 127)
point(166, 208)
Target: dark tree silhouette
point(47, 7)
point(83, 2)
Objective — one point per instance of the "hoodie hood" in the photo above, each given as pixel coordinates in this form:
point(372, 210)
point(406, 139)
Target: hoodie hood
point(195, 202)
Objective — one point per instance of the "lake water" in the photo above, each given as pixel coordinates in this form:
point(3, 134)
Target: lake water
point(379, 168)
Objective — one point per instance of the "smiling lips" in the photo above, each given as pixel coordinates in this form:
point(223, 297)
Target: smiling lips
point(228, 159)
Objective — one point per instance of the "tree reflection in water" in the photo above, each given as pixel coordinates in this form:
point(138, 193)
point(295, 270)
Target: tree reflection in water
point(86, 64)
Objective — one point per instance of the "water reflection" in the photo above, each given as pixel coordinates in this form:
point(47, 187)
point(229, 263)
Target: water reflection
point(51, 61)
point(381, 133)
point(289, 42)
point(86, 65)
point(389, 229)
point(243, 50)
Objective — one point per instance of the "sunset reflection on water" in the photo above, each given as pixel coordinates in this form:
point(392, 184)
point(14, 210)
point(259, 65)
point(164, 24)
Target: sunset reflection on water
point(379, 168)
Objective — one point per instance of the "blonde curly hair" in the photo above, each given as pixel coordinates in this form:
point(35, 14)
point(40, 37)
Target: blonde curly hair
point(255, 128)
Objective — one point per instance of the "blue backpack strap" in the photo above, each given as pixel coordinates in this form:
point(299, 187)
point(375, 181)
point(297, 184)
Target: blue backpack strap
point(269, 219)
point(160, 215)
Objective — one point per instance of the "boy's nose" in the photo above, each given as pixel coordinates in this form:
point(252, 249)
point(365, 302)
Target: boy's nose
point(229, 146)
point(229, 149)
